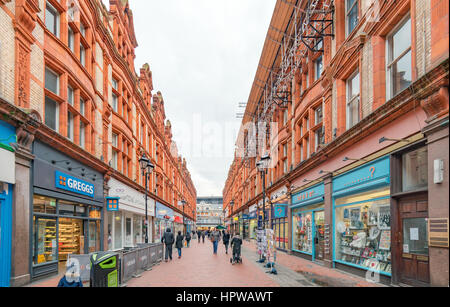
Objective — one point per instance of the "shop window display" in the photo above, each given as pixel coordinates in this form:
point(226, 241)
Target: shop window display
point(302, 237)
point(363, 231)
point(44, 240)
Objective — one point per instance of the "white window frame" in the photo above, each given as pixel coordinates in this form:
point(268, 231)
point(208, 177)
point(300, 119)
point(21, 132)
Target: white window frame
point(70, 126)
point(82, 134)
point(115, 102)
point(57, 80)
point(389, 81)
point(50, 7)
point(347, 11)
point(350, 100)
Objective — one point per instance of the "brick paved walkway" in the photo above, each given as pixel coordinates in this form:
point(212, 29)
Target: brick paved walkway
point(199, 267)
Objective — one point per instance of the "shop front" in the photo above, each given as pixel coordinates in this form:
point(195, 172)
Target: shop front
point(253, 222)
point(308, 220)
point(164, 219)
point(178, 223)
point(362, 219)
point(67, 212)
point(7, 181)
point(245, 225)
point(126, 226)
point(280, 225)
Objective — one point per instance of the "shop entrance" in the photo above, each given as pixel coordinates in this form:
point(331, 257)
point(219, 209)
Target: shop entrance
point(71, 239)
point(319, 237)
point(413, 225)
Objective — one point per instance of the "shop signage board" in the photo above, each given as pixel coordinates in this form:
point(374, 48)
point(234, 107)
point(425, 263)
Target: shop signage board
point(112, 203)
point(245, 216)
point(69, 183)
point(163, 212)
point(130, 199)
point(367, 176)
point(309, 196)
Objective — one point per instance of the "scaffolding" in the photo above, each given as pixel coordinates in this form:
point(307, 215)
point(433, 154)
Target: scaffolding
point(311, 22)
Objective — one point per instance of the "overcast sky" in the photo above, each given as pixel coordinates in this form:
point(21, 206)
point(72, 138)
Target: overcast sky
point(203, 55)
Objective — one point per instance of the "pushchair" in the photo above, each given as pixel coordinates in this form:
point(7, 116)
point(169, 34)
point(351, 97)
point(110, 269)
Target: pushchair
point(236, 258)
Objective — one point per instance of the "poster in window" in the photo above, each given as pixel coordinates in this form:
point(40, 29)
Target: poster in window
point(385, 240)
point(384, 217)
point(354, 218)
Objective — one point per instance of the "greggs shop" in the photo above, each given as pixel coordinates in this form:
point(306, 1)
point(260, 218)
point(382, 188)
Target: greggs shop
point(67, 215)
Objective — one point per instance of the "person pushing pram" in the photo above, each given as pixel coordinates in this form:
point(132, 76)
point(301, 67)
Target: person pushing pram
point(236, 243)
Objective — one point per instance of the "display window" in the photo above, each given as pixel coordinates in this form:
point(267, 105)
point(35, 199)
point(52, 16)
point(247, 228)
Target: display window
point(303, 232)
point(44, 240)
point(363, 230)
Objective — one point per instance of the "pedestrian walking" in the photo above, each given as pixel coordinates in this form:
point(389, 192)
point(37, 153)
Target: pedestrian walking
point(199, 236)
point(168, 240)
point(215, 238)
point(188, 238)
point(179, 243)
point(203, 236)
point(226, 240)
point(236, 243)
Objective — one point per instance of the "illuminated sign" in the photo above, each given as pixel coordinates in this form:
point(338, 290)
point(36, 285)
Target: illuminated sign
point(72, 184)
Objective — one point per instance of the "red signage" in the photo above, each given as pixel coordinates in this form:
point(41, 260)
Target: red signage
point(178, 219)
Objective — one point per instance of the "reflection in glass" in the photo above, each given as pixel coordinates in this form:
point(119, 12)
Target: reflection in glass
point(415, 236)
point(415, 169)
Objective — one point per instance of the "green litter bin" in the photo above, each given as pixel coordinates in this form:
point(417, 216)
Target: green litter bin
point(104, 269)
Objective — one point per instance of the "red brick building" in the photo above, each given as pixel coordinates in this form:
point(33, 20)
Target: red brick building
point(81, 113)
point(358, 179)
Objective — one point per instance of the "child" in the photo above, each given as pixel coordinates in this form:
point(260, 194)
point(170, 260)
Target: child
point(236, 243)
point(72, 277)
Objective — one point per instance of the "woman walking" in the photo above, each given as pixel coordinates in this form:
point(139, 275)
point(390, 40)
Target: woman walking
point(226, 240)
point(179, 243)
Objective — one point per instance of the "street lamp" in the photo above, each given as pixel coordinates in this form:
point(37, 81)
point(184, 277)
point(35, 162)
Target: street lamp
point(262, 166)
point(232, 211)
point(183, 202)
point(147, 168)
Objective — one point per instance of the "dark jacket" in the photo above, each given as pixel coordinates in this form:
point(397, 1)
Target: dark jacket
point(168, 238)
point(203, 234)
point(236, 243)
point(179, 242)
point(64, 283)
point(226, 238)
point(188, 237)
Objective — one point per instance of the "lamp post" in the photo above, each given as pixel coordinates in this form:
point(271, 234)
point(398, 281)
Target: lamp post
point(147, 168)
point(262, 166)
point(232, 211)
point(183, 202)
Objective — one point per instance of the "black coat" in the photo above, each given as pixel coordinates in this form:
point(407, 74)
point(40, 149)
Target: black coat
point(188, 237)
point(168, 238)
point(203, 234)
point(226, 238)
point(236, 244)
point(179, 242)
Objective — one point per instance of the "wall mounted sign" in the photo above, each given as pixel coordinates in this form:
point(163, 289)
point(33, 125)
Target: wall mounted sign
point(163, 212)
point(73, 184)
point(309, 196)
point(438, 232)
point(112, 203)
point(279, 211)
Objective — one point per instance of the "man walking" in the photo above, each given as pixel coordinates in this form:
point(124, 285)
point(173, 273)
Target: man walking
point(226, 240)
point(188, 238)
point(199, 235)
point(203, 236)
point(168, 239)
point(215, 238)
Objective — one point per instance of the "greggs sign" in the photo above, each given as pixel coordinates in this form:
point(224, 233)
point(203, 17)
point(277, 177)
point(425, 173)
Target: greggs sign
point(72, 184)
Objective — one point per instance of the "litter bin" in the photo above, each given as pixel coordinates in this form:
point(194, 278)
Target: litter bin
point(104, 269)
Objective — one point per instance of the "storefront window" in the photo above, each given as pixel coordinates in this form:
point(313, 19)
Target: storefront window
point(110, 225)
point(302, 232)
point(415, 170)
point(117, 230)
point(44, 240)
point(69, 208)
point(43, 204)
point(137, 233)
point(71, 237)
point(363, 230)
point(94, 236)
point(128, 238)
point(415, 236)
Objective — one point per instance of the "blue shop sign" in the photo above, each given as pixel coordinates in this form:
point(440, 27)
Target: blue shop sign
point(279, 211)
point(245, 216)
point(309, 196)
point(163, 212)
point(73, 184)
point(367, 177)
point(7, 136)
point(112, 203)
point(252, 215)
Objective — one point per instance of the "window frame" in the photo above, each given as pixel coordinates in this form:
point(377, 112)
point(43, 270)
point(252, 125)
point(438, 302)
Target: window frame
point(49, 7)
point(350, 100)
point(347, 13)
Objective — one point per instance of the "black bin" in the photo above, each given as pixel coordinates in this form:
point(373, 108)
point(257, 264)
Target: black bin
point(104, 269)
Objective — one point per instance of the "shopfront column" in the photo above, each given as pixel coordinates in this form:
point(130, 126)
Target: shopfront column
point(20, 273)
point(289, 221)
point(328, 208)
